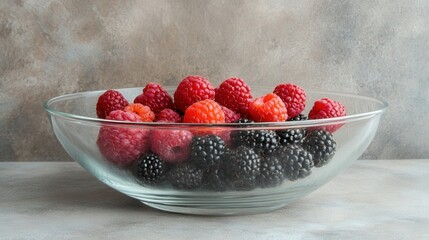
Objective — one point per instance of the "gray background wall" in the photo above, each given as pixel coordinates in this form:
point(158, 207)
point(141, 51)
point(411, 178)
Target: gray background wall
point(377, 48)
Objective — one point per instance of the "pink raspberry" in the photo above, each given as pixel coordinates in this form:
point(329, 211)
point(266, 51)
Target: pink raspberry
point(192, 89)
point(327, 108)
point(110, 100)
point(171, 145)
point(230, 116)
point(168, 115)
point(268, 108)
point(123, 145)
point(234, 94)
point(155, 97)
point(293, 96)
point(144, 112)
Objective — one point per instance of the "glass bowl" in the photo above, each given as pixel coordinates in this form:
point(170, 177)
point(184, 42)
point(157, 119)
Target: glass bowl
point(75, 124)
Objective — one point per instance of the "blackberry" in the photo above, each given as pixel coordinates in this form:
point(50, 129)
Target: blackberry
point(294, 135)
point(238, 137)
point(244, 121)
point(150, 169)
point(242, 167)
point(206, 151)
point(263, 141)
point(186, 176)
point(296, 161)
point(215, 179)
point(321, 145)
point(272, 172)
point(298, 117)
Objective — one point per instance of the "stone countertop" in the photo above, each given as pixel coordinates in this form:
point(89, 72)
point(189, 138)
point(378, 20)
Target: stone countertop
point(378, 199)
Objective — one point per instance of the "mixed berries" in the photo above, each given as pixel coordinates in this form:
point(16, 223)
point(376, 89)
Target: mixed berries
point(216, 159)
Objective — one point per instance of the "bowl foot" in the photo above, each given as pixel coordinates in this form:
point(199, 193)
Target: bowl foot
point(214, 210)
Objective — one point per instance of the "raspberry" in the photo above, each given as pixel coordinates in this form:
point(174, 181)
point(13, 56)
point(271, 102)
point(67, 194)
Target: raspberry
point(168, 115)
point(234, 94)
point(155, 97)
point(206, 111)
point(110, 100)
point(230, 116)
point(143, 111)
point(293, 96)
point(268, 108)
point(327, 108)
point(171, 145)
point(192, 89)
point(123, 145)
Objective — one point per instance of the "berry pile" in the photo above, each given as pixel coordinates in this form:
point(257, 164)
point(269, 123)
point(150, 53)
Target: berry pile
point(211, 159)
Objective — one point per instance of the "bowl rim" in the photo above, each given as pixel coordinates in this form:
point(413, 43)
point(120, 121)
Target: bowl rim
point(256, 125)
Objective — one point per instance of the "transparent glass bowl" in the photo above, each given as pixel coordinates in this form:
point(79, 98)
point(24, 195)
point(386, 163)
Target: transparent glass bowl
point(74, 122)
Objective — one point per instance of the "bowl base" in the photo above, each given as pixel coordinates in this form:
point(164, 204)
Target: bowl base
point(213, 210)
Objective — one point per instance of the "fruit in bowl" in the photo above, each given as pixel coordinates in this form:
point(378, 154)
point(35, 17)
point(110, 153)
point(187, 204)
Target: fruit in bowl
point(198, 149)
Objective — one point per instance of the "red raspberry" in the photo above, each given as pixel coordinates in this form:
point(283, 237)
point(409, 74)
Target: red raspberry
point(230, 116)
point(293, 96)
point(171, 145)
point(327, 108)
point(155, 97)
point(110, 100)
point(143, 111)
point(123, 145)
point(234, 94)
point(268, 108)
point(168, 115)
point(192, 89)
point(206, 111)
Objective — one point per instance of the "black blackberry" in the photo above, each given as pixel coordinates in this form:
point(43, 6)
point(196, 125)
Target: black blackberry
point(215, 179)
point(238, 137)
point(298, 117)
point(150, 169)
point(206, 151)
point(294, 135)
point(263, 141)
point(272, 172)
point(242, 167)
point(321, 145)
point(186, 176)
point(296, 161)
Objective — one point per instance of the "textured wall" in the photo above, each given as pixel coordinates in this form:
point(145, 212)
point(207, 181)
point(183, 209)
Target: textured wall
point(377, 48)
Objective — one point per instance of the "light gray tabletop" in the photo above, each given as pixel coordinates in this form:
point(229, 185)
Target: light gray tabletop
point(383, 199)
